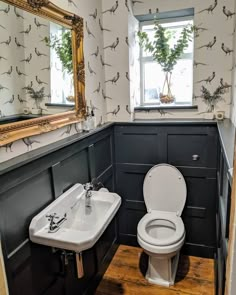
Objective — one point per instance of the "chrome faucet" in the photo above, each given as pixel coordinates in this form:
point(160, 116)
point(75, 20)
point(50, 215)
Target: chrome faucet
point(94, 185)
point(54, 226)
point(88, 194)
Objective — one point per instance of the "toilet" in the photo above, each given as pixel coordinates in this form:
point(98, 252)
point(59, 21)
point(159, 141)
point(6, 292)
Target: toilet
point(161, 231)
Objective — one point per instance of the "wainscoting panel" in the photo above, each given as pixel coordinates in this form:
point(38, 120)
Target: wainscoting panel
point(118, 156)
point(33, 269)
point(139, 145)
point(19, 205)
point(193, 149)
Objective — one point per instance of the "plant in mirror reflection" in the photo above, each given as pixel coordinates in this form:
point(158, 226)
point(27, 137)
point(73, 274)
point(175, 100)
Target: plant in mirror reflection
point(63, 47)
point(38, 96)
point(212, 99)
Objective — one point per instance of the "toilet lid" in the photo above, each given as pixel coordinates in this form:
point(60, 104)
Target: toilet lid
point(164, 189)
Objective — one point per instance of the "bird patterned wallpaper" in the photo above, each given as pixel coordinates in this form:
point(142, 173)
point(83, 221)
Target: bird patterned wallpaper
point(12, 79)
point(213, 54)
point(25, 62)
point(91, 11)
point(233, 109)
point(112, 66)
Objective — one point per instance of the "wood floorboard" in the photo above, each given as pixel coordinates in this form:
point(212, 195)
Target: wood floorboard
point(126, 275)
point(3, 290)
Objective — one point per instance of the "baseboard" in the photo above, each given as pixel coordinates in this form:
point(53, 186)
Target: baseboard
point(129, 240)
point(198, 250)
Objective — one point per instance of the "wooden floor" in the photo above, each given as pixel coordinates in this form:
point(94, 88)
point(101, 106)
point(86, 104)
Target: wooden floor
point(3, 290)
point(125, 275)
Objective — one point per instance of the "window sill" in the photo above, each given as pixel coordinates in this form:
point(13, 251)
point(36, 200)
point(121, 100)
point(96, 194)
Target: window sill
point(17, 118)
point(60, 105)
point(151, 108)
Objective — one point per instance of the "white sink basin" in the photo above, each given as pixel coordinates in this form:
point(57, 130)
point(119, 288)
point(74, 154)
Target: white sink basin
point(83, 226)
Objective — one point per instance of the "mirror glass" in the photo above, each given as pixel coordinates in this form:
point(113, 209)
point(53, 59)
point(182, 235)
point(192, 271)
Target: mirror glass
point(36, 68)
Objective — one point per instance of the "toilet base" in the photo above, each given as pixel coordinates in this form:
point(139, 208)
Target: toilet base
point(162, 271)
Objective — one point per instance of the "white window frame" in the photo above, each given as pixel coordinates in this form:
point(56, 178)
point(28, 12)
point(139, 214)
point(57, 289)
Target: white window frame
point(144, 59)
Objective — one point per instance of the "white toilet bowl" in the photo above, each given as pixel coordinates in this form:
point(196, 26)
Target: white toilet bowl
point(161, 231)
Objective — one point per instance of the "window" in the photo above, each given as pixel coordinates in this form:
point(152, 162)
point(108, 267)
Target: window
point(152, 76)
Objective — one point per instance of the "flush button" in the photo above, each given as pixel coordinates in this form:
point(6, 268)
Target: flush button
point(195, 157)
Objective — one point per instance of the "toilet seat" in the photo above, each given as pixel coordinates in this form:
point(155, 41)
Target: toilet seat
point(165, 216)
point(164, 189)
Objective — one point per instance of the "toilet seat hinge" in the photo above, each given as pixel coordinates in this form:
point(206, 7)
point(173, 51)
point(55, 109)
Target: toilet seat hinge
point(178, 214)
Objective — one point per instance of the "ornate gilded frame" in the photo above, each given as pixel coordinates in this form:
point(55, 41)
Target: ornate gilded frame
point(45, 8)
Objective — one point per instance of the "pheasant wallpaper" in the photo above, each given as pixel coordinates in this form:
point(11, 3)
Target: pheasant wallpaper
point(11, 83)
point(112, 65)
point(22, 64)
point(90, 11)
point(233, 108)
point(213, 54)
point(28, 62)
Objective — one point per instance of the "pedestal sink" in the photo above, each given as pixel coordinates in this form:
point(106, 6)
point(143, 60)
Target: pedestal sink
point(80, 226)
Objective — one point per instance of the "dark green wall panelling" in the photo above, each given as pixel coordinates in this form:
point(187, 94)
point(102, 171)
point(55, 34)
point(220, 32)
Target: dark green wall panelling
point(33, 269)
point(138, 148)
point(119, 156)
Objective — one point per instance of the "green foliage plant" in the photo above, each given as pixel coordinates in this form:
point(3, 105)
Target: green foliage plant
point(165, 54)
point(63, 48)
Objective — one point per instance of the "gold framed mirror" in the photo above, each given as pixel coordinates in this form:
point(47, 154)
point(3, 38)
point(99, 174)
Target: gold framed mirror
point(31, 94)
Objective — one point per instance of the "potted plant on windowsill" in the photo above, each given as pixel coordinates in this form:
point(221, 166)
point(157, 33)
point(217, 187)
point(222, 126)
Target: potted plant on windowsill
point(165, 54)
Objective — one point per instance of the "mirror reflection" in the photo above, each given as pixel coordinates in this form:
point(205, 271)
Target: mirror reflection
point(36, 68)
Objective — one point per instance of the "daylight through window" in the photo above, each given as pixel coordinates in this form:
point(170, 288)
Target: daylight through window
point(152, 75)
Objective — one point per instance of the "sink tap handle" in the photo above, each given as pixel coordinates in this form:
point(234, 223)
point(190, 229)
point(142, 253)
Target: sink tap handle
point(97, 185)
point(51, 217)
point(88, 186)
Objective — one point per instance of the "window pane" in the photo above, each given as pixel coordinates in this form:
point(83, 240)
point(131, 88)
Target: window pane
point(182, 76)
point(181, 82)
point(153, 81)
point(175, 28)
point(149, 30)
